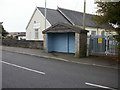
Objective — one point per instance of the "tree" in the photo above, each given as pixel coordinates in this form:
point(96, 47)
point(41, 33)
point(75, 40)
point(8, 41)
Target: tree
point(3, 32)
point(109, 13)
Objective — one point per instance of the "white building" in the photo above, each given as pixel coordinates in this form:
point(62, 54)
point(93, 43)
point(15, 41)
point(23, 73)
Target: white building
point(37, 22)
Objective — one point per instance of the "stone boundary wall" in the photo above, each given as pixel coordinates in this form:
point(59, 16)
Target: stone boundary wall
point(23, 43)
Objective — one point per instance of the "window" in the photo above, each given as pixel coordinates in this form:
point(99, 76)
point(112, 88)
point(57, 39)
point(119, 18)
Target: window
point(93, 33)
point(34, 21)
point(36, 33)
point(103, 33)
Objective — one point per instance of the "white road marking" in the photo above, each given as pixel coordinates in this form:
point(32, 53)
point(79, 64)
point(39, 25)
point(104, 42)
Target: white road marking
point(25, 68)
point(100, 86)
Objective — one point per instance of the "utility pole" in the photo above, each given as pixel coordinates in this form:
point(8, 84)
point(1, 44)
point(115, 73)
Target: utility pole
point(84, 21)
point(45, 14)
point(84, 14)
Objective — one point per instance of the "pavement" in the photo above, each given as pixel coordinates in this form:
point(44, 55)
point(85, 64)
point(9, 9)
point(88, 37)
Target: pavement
point(91, 60)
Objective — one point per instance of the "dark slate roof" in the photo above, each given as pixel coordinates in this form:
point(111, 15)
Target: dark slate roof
point(53, 16)
point(1, 25)
point(69, 16)
point(63, 27)
point(1, 22)
point(77, 17)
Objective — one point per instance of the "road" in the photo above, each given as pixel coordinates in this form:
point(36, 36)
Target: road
point(25, 71)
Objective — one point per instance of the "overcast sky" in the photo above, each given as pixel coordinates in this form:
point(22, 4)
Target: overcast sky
point(15, 14)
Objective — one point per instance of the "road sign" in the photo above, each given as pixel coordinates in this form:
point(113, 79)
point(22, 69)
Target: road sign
point(99, 40)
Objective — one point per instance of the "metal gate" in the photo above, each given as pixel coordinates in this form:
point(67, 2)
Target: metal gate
point(102, 45)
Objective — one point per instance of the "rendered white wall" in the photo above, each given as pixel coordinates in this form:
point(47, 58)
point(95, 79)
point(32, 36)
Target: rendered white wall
point(30, 31)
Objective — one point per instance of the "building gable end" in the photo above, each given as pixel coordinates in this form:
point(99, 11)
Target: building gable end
point(33, 16)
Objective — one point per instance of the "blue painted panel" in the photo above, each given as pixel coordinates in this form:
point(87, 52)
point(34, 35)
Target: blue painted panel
point(71, 42)
point(49, 43)
point(60, 42)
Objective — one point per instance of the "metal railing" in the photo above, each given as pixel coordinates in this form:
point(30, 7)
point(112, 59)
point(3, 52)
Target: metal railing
point(107, 46)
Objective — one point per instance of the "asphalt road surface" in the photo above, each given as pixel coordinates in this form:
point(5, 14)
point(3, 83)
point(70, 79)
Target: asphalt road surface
point(24, 71)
